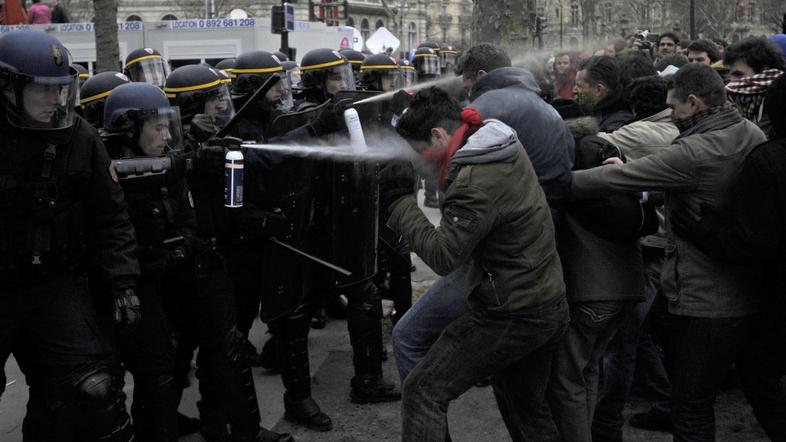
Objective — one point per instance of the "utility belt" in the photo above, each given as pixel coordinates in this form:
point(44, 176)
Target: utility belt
point(22, 271)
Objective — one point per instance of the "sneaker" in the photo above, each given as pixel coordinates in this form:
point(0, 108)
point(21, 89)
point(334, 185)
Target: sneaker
point(306, 412)
point(652, 421)
point(368, 389)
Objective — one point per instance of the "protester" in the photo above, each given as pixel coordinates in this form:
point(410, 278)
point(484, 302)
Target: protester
point(711, 304)
point(599, 93)
point(703, 51)
point(565, 76)
point(754, 63)
point(667, 44)
point(517, 312)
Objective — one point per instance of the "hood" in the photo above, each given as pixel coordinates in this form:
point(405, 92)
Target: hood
point(502, 78)
point(494, 141)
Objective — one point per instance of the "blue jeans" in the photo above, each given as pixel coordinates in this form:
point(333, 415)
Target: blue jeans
point(573, 385)
point(629, 351)
point(441, 304)
point(474, 347)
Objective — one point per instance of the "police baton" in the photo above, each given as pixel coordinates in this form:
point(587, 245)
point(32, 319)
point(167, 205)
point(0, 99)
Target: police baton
point(321, 262)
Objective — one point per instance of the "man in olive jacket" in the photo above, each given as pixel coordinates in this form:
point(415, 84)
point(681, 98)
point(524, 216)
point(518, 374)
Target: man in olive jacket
point(496, 215)
point(710, 303)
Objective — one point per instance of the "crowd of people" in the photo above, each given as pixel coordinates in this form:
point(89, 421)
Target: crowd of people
point(37, 13)
point(606, 219)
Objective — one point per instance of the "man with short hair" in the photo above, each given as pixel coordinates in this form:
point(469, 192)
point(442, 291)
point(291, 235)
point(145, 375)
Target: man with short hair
point(754, 63)
point(710, 303)
point(599, 93)
point(510, 95)
point(496, 216)
point(703, 51)
point(667, 44)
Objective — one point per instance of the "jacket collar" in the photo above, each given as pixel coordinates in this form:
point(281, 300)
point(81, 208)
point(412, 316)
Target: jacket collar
point(720, 118)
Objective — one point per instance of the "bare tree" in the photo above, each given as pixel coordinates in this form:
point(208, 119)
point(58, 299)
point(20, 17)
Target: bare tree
point(504, 22)
point(107, 49)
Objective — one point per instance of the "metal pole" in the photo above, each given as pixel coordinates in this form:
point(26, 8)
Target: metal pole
point(693, 19)
point(561, 14)
point(285, 32)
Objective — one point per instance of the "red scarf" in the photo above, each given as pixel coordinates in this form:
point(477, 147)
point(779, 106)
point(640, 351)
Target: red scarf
point(472, 121)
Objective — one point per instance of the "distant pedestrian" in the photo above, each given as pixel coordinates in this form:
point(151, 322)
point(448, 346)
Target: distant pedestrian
point(39, 13)
point(59, 13)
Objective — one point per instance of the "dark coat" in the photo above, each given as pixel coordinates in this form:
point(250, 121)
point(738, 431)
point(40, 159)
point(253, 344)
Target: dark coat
point(511, 95)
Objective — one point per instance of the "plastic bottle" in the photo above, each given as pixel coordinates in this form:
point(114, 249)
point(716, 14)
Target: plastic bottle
point(356, 136)
point(233, 179)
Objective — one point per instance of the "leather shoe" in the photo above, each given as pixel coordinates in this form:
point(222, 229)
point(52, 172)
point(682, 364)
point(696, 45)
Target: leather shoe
point(306, 412)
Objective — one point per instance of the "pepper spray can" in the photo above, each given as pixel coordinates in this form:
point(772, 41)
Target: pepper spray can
point(233, 179)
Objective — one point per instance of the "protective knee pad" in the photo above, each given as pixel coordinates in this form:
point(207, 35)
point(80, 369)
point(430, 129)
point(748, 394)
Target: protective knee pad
point(100, 407)
point(293, 353)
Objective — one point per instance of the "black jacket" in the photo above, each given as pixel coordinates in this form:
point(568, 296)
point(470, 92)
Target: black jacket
point(81, 205)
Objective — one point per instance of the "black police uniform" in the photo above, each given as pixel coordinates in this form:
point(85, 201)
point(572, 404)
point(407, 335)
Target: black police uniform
point(57, 194)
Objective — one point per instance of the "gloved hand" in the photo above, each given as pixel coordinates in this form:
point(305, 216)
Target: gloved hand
point(127, 310)
point(396, 180)
point(400, 101)
point(331, 119)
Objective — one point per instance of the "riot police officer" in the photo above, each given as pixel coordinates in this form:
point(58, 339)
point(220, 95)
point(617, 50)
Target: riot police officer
point(427, 64)
point(447, 58)
point(61, 212)
point(146, 65)
point(355, 59)
point(324, 72)
point(93, 94)
point(380, 72)
point(226, 381)
point(140, 123)
point(408, 73)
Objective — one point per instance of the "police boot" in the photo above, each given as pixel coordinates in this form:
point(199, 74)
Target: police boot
point(293, 349)
point(364, 314)
point(373, 388)
point(306, 412)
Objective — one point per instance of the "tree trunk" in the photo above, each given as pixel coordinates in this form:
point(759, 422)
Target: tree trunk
point(503, 22)
point(107, 49)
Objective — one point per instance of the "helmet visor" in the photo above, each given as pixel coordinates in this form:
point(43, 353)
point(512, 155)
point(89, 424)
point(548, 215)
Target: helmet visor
point(149, 70)
point(428, 65)
point(409, 77)
point(158, 131)
point(294, 78)
point(218, 108)
point(339, 78)
point(40, 102)
point(447, 59)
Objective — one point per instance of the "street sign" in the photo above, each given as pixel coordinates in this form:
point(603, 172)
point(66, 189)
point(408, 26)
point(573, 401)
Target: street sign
point(289, 16)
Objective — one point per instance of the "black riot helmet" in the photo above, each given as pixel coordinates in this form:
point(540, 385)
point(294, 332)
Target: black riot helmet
point(354, 57)
point(380, 72)
point(447, 58)
point(37, 80)
point(325, 72)
point(408, 74)
point(141, 115)
point(252, 69)
point(200, 92)
point(282, 57)
point(146, 65)
point(426, 63)
point(81, 72)
point(226, 65)
point(94, 92)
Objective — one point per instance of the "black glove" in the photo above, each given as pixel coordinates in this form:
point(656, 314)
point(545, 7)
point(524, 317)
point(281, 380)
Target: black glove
point(396, 180)
point(127, 310)
point(331, 119)
point(400, 101)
